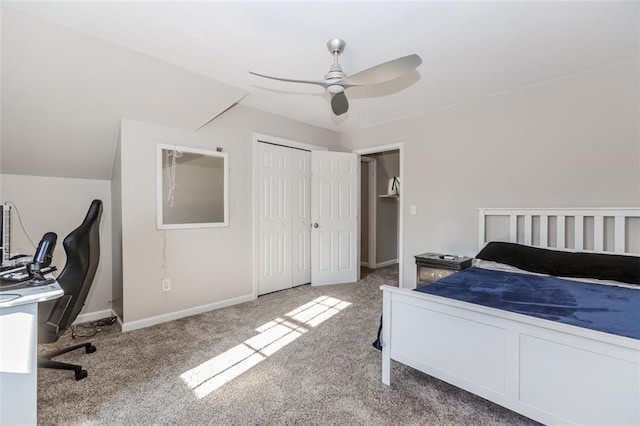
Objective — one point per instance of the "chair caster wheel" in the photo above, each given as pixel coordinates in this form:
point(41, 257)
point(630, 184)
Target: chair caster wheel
point(81, 374)
point(90, 349)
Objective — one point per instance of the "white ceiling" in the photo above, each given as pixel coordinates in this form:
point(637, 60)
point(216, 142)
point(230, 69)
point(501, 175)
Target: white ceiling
point(469, 49)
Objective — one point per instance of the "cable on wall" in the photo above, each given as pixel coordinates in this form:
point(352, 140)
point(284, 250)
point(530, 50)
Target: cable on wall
point(164, 253)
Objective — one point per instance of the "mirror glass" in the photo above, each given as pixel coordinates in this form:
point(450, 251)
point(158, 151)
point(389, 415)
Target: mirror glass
point(192, 188)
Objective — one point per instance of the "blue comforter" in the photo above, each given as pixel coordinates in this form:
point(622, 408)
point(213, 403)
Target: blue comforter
point(610, 309)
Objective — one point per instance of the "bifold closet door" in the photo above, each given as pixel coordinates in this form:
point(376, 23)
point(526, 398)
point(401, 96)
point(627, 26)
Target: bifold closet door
point(284, 221)
point(274, 218)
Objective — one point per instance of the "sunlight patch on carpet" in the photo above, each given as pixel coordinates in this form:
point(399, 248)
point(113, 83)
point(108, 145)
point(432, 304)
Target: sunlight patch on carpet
point(271, 337)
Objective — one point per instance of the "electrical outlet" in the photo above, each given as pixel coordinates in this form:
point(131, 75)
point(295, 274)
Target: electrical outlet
point(166, 284)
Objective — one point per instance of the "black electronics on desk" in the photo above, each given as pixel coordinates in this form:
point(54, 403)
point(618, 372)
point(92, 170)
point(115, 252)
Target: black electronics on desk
point(33, 272)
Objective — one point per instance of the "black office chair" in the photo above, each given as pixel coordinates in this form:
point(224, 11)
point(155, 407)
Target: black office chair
point(82, 247)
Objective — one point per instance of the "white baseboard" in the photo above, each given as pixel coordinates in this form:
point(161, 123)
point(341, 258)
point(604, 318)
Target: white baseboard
point(386, 263)
point(148, 322)
point(364, 263)
point(94, 316)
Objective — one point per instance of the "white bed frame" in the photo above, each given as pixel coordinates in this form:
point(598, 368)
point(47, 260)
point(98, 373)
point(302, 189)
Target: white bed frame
point(551, 372)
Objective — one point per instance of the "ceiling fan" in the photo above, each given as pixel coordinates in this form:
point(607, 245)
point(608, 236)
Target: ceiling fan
point(336, 81)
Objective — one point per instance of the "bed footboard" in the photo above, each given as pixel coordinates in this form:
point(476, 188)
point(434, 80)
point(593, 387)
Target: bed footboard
point(550, 372)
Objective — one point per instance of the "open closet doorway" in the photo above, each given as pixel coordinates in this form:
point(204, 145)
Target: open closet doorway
point(381, 210)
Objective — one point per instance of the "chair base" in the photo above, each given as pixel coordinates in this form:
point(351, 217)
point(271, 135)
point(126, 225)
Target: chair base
point(45, 360)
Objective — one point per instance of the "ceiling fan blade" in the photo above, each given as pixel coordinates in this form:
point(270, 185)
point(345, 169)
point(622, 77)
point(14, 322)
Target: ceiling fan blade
point(383, 72)
point(317, 83)
point(339, 103)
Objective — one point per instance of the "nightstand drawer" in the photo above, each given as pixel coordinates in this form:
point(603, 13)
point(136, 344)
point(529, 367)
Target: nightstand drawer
point(432, 274)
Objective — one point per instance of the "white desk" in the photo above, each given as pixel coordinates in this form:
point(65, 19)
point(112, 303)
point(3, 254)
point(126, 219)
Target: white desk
point(19, 352)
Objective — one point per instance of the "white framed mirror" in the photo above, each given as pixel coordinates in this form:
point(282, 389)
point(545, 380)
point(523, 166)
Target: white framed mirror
point(192, 188)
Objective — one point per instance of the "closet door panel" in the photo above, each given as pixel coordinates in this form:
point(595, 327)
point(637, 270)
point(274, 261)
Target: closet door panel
point(301, 217)
point(274, 218)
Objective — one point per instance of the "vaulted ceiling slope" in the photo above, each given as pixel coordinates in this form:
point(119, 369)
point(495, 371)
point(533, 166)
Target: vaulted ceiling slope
point(64, 93)
point(470, 49)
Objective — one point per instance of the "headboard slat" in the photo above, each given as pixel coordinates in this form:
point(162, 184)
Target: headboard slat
point(544, 231)
point(513, 228)
point(578, 229)
point(482, 224)
point(528, 229)
point(598, 233)
point(619, 233)
point(560, 243)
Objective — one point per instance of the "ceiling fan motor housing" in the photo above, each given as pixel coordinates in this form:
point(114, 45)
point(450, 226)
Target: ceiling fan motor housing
point(335, 74)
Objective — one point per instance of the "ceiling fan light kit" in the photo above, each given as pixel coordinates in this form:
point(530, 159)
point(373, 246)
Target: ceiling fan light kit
point(336, 81)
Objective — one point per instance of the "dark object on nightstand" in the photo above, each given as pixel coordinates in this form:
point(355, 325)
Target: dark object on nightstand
point(433, 266)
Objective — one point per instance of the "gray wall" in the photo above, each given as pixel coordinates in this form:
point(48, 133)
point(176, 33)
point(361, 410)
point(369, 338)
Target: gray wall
point(207, 266)
point(571, 142)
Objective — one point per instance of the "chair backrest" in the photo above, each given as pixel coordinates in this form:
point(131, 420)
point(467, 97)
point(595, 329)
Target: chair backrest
point(82, 247)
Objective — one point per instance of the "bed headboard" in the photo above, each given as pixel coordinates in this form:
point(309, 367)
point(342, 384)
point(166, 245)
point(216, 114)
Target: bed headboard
point(599, 230)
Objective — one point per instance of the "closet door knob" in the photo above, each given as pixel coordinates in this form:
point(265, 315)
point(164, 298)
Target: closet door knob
point(315, 225)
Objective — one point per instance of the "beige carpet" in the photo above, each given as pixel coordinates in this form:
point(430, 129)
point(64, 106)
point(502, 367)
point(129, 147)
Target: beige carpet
point(301, 356)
